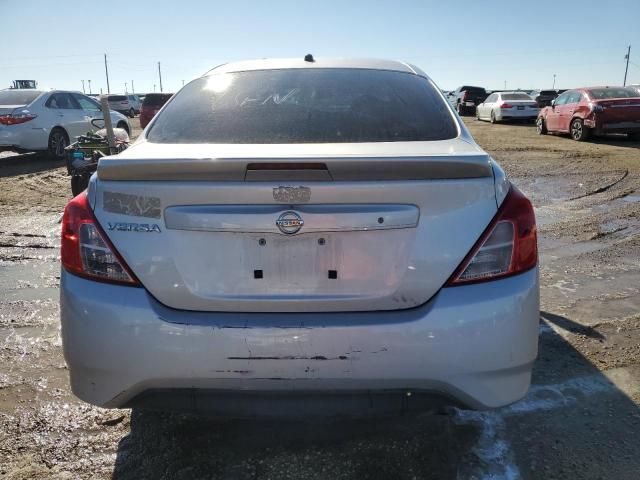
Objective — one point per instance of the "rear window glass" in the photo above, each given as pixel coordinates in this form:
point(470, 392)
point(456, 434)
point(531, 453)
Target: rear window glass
point(117, 98)
point(305, 106)
point(475, 90)
point(156, 99)
point(18, 97)
point(601, 93)
point(515, 96)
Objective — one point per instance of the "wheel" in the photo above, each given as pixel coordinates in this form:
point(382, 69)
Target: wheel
point(132, 113)
point(124, 126)
point(541, 128)
point(493, 117)
point(578, 131)
point(58, 141)
point(478, 114)
point(79, 184)
point(460, 109)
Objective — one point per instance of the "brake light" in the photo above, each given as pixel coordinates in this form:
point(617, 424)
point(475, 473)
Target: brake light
point(507, 247)
point(465, 95)
point(16, 119)
point(506, 105)
point(85, 249)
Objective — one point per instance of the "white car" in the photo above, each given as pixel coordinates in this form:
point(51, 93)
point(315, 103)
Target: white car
point(34, 120)
point(501, 106)
point(292, 230)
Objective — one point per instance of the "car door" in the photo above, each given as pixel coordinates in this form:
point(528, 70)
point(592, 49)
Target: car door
point(485, 107)
point(552, 118)
point(67, 114)
point(90, 111)
point(567, 110)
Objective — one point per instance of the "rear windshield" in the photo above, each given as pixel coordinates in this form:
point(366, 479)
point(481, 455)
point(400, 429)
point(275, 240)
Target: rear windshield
point(156, 99)
point(18, 97)
point(117, 98)
point(305, 106)
point(619, 92)
point(474, 90)
point(515, 96)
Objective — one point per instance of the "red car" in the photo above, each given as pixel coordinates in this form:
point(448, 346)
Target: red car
point(151, 104)
point(592, 110)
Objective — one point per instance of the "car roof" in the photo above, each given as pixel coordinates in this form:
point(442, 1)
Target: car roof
point(288, 63)
point(512, 91)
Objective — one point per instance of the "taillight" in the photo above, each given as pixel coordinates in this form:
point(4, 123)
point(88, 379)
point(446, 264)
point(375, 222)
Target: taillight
point(16, 118)
point(465, 95)
point(85, 249)
point(506, 105)
point(507, 247)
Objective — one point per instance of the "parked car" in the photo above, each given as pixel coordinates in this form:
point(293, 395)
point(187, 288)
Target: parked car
point(263, 243)
point(151, 104)
point(121, 104)
point(465, 99)
point(34, 120)
point(503, 106)
point(134, 104)
point(543, 97)
point(597, 110)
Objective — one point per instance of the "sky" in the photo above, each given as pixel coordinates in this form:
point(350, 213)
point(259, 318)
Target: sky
point(490, 43)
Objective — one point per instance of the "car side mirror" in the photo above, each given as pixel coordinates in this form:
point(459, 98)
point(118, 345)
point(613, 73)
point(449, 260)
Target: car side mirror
point(553, 103)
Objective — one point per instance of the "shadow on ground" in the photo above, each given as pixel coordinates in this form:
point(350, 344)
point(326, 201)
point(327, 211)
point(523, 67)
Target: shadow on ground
point(23, 165)
point(574, 423)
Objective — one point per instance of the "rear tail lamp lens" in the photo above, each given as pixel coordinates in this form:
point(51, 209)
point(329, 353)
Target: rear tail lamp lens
point(85, 249)
point(507, 247)
point(506, 105)
point(17, 118)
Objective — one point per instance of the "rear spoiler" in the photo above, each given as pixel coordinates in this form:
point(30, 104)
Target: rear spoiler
point(296, 169)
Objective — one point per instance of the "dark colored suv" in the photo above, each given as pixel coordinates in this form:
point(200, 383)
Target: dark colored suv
point(151, 104)
point(466, 98)
point(543, 97)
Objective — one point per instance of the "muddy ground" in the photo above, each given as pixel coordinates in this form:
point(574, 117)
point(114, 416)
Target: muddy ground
point(580, 420)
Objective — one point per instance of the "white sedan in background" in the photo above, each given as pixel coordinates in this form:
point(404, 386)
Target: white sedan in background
point(501, 106)
point(34, 120)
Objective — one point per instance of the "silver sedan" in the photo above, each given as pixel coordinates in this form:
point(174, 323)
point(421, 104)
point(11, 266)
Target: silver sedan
point(503, 106)
point(301, 232)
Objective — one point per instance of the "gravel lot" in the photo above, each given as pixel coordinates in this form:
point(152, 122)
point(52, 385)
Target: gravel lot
point(580, 420)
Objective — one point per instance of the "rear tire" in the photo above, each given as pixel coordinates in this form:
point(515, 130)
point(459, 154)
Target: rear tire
point(132, 113)
point(578, 131)
point(58, 141)
point(493, 117)
point(79, 184)
point(460, 110)
point(541, 127)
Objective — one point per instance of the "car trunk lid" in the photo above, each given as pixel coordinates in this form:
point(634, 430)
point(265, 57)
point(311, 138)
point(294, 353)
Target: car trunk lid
point(358, 231)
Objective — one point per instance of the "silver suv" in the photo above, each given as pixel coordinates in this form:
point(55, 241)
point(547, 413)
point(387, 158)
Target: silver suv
point(290, 233)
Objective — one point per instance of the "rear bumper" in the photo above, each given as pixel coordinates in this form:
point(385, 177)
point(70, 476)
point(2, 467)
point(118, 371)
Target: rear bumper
point(516, 114)
point(24, 137)
point(474, 343)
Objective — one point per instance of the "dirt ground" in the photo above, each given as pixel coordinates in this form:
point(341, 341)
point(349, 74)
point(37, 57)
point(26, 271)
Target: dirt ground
point(581, 418)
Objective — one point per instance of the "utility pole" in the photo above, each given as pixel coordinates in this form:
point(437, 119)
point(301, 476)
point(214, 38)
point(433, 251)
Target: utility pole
point(183, 83)
point(554, 82)
point(83, 86)
point(160, 75)
point(133, 90)
point(125, 87)
point(154, 88)
point(106, 71)
point(505, 84)
point(626, 69)
point(89, 86)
